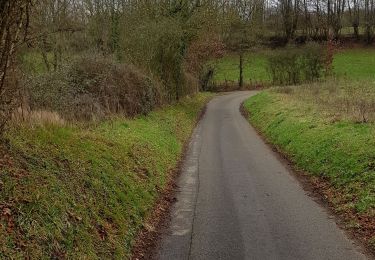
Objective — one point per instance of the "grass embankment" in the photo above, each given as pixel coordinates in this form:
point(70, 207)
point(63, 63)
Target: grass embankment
point(352, 64)
point(324, 143)
point(68, 191)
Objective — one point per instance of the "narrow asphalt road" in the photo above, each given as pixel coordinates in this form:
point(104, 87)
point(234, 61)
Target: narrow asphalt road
point(236, 200)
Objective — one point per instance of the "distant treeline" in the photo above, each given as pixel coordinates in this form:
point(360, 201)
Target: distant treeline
point(90, 58)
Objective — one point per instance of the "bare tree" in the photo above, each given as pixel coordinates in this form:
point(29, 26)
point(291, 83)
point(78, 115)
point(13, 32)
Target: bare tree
point(336, 10)
point(369, 17)
point(13, 26)
point(289, 11)
point(354, 14)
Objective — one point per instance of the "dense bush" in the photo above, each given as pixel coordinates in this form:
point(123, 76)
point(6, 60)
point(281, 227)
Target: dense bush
point(167, 61)
point(199, 53)
point(157, 47)
point(159, 65)
point(170, 52)
point(294, 65)
point(146, 54)
point(93, 88)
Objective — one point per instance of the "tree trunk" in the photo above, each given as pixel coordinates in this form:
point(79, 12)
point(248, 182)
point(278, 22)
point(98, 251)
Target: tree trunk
point(356, 31)
point(241, 71)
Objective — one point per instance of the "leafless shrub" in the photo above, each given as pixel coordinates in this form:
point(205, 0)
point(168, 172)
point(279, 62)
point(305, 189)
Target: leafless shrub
point(284, 90)
point(40, 117)
point(93, 88)
point(363, 107)
point(294, 65)
point(191, 84)
point(348, 100)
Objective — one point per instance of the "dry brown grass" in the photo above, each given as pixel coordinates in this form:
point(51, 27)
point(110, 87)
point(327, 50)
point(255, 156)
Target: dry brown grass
point(348, 100)
point(23, 116)
point(93, 88)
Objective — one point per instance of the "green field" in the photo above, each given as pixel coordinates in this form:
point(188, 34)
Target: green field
point(84, 192)
point(255, 68)
point(355, 64)
point(350, 63)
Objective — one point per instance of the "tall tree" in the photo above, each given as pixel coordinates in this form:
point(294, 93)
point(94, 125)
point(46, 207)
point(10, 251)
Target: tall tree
point(354, 14)
point(14, 17)
point(289, 12)
point(369, 17)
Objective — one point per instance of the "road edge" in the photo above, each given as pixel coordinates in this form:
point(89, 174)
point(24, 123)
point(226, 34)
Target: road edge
point(149, 237)
point(319, 189)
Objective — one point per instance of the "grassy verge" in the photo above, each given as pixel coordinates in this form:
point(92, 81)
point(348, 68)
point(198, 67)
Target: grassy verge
point(337, 150)
point(81, 193)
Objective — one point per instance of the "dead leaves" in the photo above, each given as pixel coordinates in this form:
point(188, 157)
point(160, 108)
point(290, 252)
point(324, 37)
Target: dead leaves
point(74, 216)
point(7, 217)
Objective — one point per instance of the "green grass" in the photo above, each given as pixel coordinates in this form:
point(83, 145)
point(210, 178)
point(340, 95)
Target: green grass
point(85, 193)
point(340, 151)
point(255, 68)
point(355, 64)
point(33, 62)
point(349, 63)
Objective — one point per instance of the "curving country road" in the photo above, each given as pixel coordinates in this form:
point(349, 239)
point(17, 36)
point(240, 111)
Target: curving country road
point(236, 200)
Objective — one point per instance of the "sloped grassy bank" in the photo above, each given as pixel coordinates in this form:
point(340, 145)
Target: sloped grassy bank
point(338, 151)
point(70, 192)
